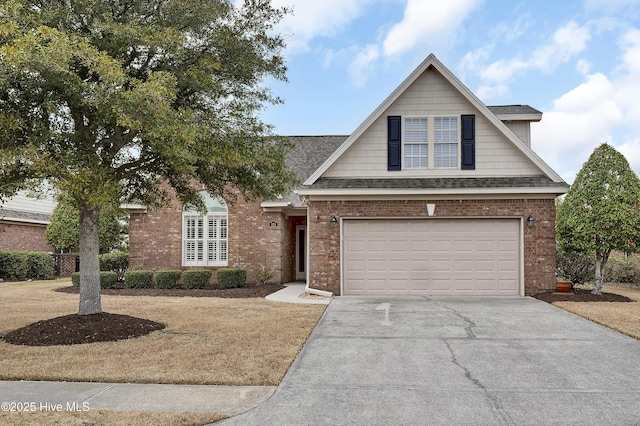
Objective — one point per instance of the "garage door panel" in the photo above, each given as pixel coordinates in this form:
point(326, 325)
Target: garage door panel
point(450, 256)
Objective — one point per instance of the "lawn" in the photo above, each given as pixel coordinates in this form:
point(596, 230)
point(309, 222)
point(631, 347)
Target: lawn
point(207, 340)
point(620, 316)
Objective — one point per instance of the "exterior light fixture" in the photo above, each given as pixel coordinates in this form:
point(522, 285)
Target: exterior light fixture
point(334, 221)
point(530, 221)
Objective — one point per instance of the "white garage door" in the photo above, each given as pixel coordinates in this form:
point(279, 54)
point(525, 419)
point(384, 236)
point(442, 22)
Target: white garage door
point(431, 256)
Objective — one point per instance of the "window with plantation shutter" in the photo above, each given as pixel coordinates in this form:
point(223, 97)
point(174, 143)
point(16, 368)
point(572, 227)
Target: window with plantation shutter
point(205, 241)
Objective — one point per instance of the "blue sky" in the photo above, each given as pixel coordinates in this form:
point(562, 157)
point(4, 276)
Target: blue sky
point(576, 61)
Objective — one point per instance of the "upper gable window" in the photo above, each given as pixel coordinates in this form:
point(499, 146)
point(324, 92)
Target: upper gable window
point(431, 142)
point(204, 237)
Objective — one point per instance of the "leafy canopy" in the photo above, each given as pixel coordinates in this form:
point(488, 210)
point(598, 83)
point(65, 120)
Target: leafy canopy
point(103, 98)
point(63, 231)
point(601, 211)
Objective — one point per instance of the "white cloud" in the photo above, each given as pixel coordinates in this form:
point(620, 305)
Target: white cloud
point(488, 92)
point(361, 66)
point(424, 20)
point(567, 42)
point(312, 19)
point(631, 151)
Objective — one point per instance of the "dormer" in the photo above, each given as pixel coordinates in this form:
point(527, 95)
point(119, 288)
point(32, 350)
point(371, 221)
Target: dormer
point(518, 119)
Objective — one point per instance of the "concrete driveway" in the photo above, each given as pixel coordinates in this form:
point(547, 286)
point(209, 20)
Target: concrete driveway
point(456, 361)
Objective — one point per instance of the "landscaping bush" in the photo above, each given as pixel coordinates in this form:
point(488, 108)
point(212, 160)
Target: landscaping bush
point(231, 277)
point(623, 270)
point(22, 265)
point(167, 278)
point(108, 279)
point(264, 275)
point(138, 279)
point(117, 262)
point(196, 278)
point(575, 267)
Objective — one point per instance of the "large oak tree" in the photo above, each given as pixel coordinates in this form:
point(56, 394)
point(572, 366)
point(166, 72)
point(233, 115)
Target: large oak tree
point(105, 99)
point(601, 211)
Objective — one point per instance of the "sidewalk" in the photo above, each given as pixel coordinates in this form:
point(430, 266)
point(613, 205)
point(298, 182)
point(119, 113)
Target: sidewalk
point(80, 396)
point(76, 396)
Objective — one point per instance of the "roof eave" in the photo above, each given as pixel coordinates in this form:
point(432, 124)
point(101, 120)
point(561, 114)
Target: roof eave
point(548, 190)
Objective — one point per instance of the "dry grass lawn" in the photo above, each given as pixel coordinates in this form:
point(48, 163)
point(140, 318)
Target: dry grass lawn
point(108, 418)
point(620, 316)
point(207, 340)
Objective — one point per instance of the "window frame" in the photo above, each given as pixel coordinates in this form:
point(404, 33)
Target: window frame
point(209, 233)
point(431, 143)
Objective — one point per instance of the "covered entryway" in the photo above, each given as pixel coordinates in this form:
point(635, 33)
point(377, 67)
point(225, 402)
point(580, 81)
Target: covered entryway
point(431, 256)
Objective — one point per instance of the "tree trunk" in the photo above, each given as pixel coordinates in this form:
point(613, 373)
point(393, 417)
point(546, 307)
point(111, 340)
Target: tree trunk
point(89, 264)
point(597, 285)
point(601, 261)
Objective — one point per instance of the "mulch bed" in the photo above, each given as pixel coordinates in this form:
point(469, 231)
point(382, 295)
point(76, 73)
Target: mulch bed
point(104, 327)
point(76, 329)
point(580, 295)
point(250, 290)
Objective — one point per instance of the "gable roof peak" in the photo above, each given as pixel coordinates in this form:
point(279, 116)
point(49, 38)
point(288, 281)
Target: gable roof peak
point(432, 62)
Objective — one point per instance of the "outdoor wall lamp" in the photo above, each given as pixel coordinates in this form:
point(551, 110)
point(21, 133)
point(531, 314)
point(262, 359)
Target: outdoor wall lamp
point(530, 221)
point(334, 221)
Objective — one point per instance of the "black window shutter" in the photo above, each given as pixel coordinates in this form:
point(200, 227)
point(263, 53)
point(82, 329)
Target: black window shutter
point(394, 143)
point(468, 142)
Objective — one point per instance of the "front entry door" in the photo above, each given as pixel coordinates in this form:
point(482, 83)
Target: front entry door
point(301, 252)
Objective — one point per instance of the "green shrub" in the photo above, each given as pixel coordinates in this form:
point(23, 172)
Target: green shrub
point(27, 265)
point(167, 278)
point(196, 278)
point(117, 262)
point(231, 277)
point(623, 270)
point(108, 279)
point(264, 275)
point(138, 279)
point(575, 267)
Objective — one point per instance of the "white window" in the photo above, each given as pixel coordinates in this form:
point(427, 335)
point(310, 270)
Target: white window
point(431, 143)
point(415, 143)
point(205, 237)
point(445, 146)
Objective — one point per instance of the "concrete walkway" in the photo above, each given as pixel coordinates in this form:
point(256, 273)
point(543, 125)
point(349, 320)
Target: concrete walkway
point(456, 361)
point(74, 396)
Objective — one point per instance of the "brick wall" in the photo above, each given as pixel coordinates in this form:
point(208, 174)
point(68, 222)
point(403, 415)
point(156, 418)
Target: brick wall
point(539, 240)
point(256, 239)
point(15, 236)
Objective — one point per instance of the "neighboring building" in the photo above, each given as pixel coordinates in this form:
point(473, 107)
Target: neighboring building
point(433, 194)
point(23, 222)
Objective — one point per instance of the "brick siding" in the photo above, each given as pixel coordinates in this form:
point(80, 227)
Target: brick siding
point(15, 236)
point(256, 239)
point(539, 240)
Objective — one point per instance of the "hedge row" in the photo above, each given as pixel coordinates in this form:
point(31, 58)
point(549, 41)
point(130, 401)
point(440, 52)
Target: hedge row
point(191, 278)
point(21, 265)
point(108, 279)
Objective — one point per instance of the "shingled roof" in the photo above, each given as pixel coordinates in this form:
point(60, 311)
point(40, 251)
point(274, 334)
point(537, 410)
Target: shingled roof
point(523, 112)
point(439, 183)
point(309, 152)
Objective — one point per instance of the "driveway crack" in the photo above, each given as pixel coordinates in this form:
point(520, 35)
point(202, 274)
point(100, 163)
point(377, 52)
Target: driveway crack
point(469, 326)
